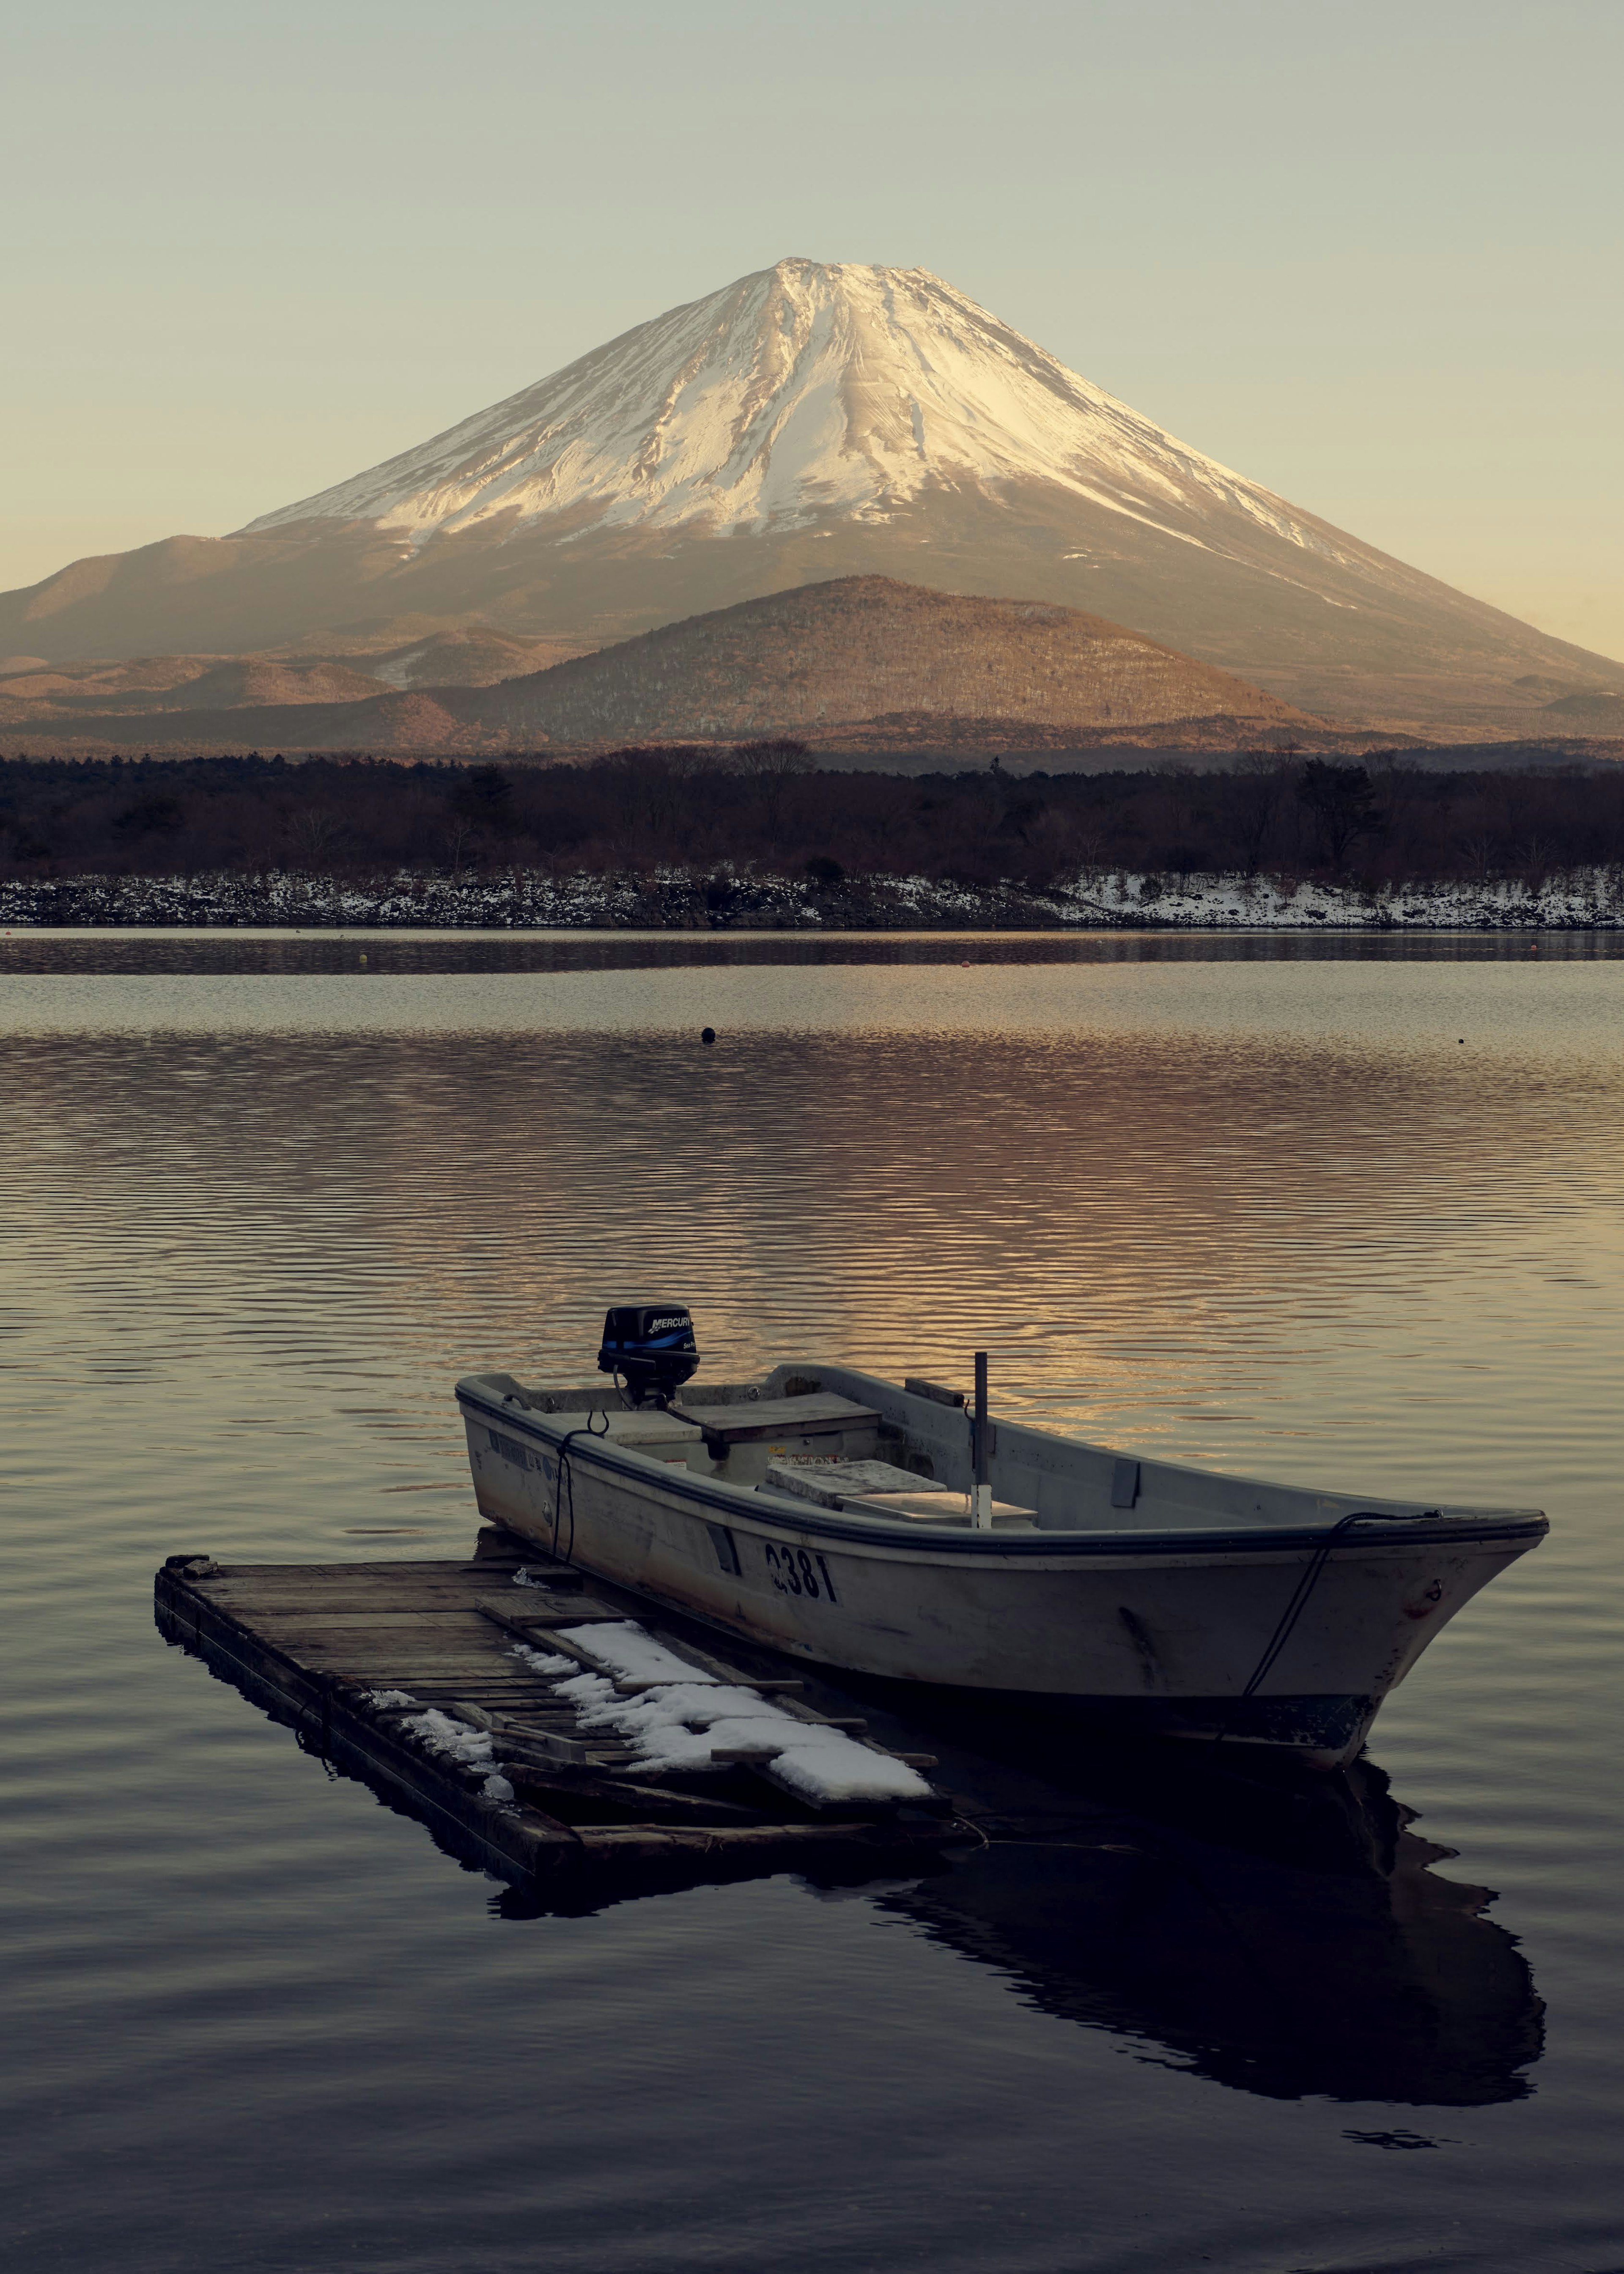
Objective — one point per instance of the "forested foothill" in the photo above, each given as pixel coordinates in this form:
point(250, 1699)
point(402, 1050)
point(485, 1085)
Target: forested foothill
point(763, 808)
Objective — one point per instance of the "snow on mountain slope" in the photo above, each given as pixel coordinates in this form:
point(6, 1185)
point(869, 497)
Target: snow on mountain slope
point(807, 390)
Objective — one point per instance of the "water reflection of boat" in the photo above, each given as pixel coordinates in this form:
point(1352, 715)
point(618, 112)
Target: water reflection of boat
point(1287, 1943)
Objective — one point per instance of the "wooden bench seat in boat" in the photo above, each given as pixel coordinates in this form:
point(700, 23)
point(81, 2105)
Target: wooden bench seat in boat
point(878, 1488)
point(739, 1442)
point(830, 1484)
point(817, 1415)
point(742, 1439)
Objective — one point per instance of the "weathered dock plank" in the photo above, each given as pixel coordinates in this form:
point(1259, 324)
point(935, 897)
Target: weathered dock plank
point(524, 1790)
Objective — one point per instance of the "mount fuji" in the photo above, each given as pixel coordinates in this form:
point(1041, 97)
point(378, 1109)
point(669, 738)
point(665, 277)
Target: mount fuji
point(819, 421)
point(803, 395)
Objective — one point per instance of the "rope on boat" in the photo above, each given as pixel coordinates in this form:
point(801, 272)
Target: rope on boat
point(564, 1484)
point(1298, 1603)
point(1305, 1588)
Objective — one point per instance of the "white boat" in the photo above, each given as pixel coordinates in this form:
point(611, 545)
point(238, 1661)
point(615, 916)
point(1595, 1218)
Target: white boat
point(838, 1518)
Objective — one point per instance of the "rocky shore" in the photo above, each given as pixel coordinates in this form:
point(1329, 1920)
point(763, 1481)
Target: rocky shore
point(740, 900)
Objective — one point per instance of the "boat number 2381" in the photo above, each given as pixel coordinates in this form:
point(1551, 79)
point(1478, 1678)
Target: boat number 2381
point(797, 1571)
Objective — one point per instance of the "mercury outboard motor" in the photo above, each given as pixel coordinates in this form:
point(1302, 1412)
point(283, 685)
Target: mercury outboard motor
point(650, 1346)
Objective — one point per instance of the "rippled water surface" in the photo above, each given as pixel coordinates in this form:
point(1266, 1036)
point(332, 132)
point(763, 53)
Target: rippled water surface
point(1356, 1219)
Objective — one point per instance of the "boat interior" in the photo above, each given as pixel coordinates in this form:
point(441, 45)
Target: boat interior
point(852, 1444)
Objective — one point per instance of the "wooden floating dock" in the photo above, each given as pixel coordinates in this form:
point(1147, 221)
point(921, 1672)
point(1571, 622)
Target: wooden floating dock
point(330, 1648)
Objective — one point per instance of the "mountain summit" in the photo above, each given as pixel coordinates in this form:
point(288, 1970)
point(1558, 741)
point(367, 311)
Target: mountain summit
point(819, 420)
point(808, 391)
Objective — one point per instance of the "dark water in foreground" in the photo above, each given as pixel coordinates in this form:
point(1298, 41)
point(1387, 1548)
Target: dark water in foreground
point(1360, 1221)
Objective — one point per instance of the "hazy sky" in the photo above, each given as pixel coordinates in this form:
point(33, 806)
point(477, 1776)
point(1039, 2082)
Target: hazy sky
point(1367, 254)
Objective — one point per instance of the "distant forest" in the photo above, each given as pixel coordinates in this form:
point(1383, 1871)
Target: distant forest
point(762, 806)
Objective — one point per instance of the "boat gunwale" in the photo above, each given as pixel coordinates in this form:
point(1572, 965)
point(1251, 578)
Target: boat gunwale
point(743, 1505)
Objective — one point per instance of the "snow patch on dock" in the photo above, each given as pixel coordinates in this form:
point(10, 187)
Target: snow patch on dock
point(470, 1748)
point(541, 1661)
point(692, 1716)
point(633, 1655)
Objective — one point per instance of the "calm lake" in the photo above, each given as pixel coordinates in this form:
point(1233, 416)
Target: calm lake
point(1345, 1212)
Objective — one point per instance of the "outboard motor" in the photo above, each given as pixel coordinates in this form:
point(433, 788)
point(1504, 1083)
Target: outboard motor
point(651, 1347)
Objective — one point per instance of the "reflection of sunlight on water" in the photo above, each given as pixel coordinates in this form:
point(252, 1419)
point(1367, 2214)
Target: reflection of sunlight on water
point(1242, 1243)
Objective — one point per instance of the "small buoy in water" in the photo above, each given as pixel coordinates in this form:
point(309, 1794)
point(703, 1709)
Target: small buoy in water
point(364, 958)
point(965, 966)
point(707, 1035)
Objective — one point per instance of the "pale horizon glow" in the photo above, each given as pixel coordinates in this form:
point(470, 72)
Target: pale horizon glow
point(1362, 257)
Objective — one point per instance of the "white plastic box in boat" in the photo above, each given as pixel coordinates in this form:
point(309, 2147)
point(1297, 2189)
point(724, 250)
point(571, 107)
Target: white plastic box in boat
point(1141, 1593)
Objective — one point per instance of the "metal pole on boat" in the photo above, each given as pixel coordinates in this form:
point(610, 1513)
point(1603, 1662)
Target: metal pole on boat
point(980, 1501)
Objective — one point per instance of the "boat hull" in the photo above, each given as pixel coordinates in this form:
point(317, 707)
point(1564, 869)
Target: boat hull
point(1163, 1631)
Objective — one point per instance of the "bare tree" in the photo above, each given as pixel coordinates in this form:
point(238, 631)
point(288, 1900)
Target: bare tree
point(460, 834)
point(317, 832)
point(1259, 783)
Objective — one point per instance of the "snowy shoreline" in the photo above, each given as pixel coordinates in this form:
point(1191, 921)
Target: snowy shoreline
point(729, 900)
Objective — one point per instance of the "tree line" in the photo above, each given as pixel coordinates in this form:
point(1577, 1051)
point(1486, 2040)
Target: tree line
point(764, 806)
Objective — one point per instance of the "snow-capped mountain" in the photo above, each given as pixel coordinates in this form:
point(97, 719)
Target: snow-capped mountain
point(812, 421)
point(811, 390)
